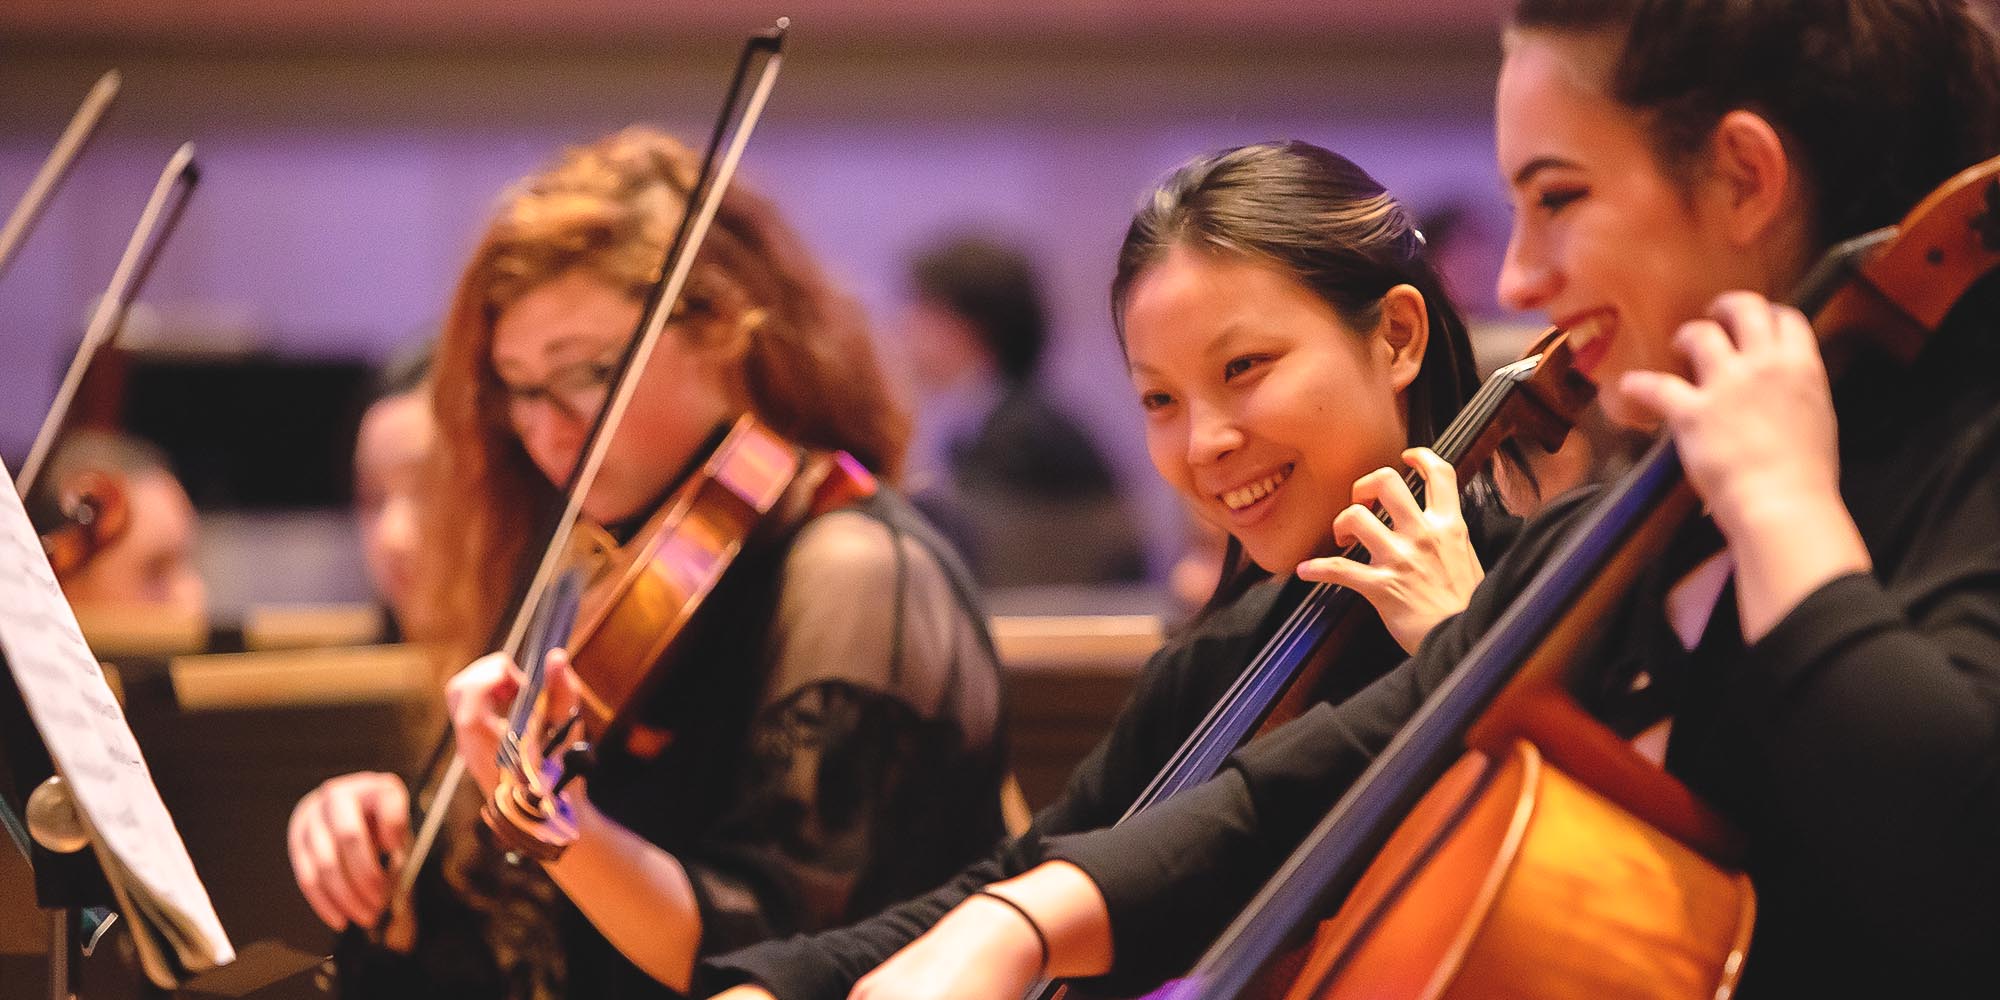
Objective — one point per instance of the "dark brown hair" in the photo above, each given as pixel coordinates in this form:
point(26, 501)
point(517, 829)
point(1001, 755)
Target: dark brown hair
point(993, 287)
point(1314, 215)
point(1879, 101)
point(1317, 217)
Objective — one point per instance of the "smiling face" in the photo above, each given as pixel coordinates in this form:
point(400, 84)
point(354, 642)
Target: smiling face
point(552, 349)
point(1605, 242)
point(1262, 406)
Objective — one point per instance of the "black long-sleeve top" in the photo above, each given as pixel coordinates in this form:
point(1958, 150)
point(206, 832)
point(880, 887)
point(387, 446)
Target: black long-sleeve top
point(1857, 745)
point(835, 749)
point(1175, 689)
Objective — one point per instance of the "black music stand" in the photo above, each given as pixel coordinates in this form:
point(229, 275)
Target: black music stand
point(70, 886)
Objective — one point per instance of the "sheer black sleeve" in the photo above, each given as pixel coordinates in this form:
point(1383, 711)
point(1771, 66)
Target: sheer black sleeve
point(1176, 688)
point(872, 762)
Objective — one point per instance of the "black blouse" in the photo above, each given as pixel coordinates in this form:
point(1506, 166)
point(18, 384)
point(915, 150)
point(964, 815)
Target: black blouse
point(1175, 690)
point(838, 749)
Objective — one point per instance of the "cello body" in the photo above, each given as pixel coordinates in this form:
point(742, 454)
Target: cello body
point(1513, 880)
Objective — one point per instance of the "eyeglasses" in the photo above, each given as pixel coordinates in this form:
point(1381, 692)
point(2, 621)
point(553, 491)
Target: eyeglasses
point(578, 390)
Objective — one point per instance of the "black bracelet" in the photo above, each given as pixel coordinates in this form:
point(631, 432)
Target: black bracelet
point(1040, 938)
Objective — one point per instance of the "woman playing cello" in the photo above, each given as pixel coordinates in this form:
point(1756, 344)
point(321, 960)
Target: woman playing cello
point(1832, 676)
point(1287, 340)
point(835, 743)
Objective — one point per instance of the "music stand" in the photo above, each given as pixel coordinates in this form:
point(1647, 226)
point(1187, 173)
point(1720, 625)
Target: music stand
point(70, 886)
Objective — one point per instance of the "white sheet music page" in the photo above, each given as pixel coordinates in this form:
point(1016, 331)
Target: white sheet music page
point(89, 740)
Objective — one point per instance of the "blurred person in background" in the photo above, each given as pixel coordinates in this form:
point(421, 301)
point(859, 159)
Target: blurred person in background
point(1008, 475)
point(119, 527)
point(395, 438)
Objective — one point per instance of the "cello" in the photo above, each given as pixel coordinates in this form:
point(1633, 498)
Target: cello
point(1536, 399)
point(1477, 892)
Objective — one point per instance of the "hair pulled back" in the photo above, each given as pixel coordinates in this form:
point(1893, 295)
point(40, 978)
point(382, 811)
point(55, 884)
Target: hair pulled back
point(1315, 216)
point(1879, 101)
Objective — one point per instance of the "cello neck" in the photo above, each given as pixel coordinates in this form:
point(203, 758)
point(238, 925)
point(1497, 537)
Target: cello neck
point(1890, 287)
point(1539, 396)
point(1333, 855)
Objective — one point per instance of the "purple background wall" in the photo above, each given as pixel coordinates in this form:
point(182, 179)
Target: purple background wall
point(342, 190)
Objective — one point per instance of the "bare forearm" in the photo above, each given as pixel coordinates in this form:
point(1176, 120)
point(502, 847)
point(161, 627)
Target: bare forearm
point(1066, 905)
point(1050, 922)
point(1786, 548)
point(638, 896)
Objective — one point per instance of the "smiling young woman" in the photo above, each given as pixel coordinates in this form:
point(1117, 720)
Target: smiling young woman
point(835, 721)
point(1831, 675)
point(1240, 369)
point(1286, 337)
point(1287, 342)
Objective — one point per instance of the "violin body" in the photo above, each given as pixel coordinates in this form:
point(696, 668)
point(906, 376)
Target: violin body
point(645, 596)
point(1510, 879)
point(95, 515)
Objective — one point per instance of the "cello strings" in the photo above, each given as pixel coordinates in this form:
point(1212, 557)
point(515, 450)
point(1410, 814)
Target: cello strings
point(1235, 712)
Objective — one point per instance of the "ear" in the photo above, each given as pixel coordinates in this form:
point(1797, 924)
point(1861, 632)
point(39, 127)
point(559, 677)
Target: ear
point(1403, 334)
point(1751, 174)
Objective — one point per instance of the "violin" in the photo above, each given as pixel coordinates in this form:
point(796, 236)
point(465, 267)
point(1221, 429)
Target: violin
point(163, 211)
point(1478, 891)
point(95, 515)
point(753, 489)
point(653, 587)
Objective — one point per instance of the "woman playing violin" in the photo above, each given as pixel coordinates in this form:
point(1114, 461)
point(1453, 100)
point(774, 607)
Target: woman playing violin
point(1287, 340)
point(834, 731)
point(1827, 657)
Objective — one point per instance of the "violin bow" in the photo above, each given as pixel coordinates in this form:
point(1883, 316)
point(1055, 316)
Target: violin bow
point(163, 212)
point(726, 143)
point(82, 126)
point(55, 169)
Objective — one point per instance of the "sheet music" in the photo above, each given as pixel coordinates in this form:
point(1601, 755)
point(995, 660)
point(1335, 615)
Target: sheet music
point(91, 744)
